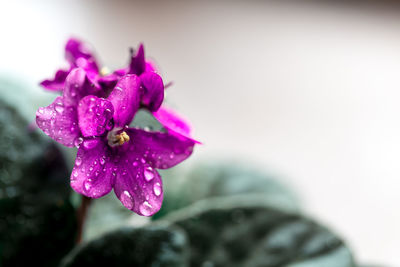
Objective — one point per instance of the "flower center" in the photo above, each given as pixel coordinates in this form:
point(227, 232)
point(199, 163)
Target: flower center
point(104, 71)
point(115, 139)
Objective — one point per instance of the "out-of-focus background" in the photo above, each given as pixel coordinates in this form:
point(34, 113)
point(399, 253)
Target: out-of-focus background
point(305, 89)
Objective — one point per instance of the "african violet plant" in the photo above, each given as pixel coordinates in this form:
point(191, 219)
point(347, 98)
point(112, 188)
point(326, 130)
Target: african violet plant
point(94, 113)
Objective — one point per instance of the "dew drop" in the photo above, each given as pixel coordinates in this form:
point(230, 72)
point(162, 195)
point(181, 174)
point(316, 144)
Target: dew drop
point(89, 144)
point(127, 200)
point(135, 163)
point(102, 160)
point(75, 174)
point(78, 161)
point(148, 174)
point(59, 108)
point(146, 209)
point(87, 185)
point(78, 140)
point(157, 189)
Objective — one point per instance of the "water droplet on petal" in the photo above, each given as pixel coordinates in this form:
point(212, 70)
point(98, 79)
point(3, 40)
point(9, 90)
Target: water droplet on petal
point(78, 140)
point(78, 161)
point(89, 144)
point(146, 209)
point(157, 189)
point(127, 200)
point(135, 163)
point(59, 108)
point(148, 174)
point(87, 185)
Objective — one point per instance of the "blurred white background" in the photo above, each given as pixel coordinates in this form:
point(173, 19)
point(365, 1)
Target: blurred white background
point(308, 90)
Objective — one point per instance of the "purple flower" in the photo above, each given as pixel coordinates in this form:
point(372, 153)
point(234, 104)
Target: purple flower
point(110, 154)
point(151, 83)
point(174, 123)
point(79, 55)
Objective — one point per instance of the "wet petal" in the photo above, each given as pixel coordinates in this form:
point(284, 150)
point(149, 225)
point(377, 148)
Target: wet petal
point(138, 64)
point(153, 94)
point(94, 115)
point(92, 174)
point(159, 150)
point(57, 83)
point(77, 86)
point(174, 123)
point(139, 187)
point(59, 122)
point(125, 98)
point(75, 49)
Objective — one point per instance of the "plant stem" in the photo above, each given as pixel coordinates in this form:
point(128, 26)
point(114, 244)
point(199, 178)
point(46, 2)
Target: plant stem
point(81, 217)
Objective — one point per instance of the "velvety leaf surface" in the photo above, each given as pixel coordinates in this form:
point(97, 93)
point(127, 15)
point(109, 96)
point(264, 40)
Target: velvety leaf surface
point(232, 233)
point(150, 246)
point(223, 179)
point(37, 222)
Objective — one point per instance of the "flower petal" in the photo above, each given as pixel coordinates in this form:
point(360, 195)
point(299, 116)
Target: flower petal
point(125, 98)
point(174, 123)
point(153, 86)
point(92, 174)
point(159, 150)
point(77, 86)
point(139, 188)
point(94, 115)
point(57, 83)
point(90, 68)
point(108, 82)
point(151, 66)
point(59, 122)
point(138, 64)
point(75, 49)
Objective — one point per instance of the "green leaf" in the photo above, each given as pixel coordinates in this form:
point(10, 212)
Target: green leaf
point(232, 232)
point(223, 179)
point(150, 246)
point(37, 223)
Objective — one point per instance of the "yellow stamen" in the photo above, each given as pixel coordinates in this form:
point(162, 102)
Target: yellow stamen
point(121, 138)
point(104, 71)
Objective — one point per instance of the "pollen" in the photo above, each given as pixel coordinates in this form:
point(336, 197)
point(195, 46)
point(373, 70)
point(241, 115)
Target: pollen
point(104, 71)
point(121, 138)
